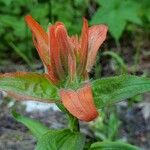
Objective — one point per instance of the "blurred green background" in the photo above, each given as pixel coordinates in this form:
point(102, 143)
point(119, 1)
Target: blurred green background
point(125, 19)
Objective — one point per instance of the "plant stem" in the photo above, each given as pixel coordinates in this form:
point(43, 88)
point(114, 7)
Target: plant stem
point(73, 123)
point(118, 46)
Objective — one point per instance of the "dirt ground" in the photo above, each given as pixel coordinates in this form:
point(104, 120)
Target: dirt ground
point(14, 136)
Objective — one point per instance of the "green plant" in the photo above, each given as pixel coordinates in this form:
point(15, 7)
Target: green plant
point(116, 14)
point(120, 66)
point(67, 62)
point(106, 126)
point(144, 11)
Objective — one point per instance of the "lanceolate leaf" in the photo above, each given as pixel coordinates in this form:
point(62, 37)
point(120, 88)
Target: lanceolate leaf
point(28, 86)
point(61, 140)
point(114, 89)
point(112, 146)
point(34, 126)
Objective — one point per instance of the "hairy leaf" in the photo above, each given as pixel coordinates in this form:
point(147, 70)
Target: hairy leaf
point(31, 86)
point(110, 90)
point(112, 146)
point(62, 140)
point(35, 126)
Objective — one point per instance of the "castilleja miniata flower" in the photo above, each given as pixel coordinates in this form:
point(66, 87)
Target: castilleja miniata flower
point(64, 56)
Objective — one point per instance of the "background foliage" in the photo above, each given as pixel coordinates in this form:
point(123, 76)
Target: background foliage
point(13, 28)
point(16, 38)
point(116, 14)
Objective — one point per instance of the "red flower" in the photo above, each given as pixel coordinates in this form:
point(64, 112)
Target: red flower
point(80, 103)
point(65, 56)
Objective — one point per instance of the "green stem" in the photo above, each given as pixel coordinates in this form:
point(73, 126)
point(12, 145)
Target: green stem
point(136, 59)
point(73, 123)
point(118, 46)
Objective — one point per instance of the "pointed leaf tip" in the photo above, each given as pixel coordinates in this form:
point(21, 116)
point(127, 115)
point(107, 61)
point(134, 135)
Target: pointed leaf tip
point(108, 145)
point(37, 128)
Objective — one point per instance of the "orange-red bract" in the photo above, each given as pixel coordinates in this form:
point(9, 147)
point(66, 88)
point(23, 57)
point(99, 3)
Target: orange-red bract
point(80, 103)
point(65, 56)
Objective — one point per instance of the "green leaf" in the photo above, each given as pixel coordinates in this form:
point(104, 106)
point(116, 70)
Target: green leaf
point(113, 126)
point(7, 2)
point(35, 127)
point(112, 146)
point(62, 140)
point(28, 86)
point(116, 14)
point(110, 90)
point(131, 11)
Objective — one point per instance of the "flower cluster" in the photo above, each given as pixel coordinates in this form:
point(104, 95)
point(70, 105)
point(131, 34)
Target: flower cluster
point(66, 57)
